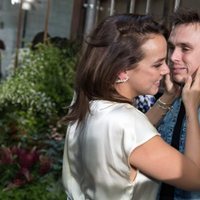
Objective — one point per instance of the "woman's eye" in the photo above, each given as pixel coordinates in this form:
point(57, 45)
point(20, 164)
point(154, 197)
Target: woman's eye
point(158, 65)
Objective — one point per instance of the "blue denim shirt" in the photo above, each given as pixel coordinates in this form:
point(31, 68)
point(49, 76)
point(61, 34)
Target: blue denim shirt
point(165, 128)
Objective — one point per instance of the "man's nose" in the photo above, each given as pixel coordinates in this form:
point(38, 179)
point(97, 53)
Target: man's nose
point(175, 55)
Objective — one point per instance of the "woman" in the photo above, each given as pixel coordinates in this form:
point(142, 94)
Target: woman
point(112, 151)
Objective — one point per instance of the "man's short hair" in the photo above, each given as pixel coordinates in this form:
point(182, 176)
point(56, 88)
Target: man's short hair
point(183, 16)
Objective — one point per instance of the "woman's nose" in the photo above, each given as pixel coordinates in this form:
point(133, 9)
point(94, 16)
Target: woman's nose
point(165, 69)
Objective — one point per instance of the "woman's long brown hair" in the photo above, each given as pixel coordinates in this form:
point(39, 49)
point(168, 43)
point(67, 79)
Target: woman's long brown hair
point(114, 46)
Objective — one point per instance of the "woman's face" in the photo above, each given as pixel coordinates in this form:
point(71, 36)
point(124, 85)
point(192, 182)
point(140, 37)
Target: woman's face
point(146, 77)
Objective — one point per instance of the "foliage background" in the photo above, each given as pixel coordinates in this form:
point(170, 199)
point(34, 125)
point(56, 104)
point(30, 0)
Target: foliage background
point(33, 103)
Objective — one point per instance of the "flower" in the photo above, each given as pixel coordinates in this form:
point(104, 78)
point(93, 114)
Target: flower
point(27, 158)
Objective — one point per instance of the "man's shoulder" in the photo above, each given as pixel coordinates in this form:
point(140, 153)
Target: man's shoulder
point(186, 195)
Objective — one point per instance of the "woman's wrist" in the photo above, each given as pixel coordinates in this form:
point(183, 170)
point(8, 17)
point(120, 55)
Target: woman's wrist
point(163, 105)
point(168, 98)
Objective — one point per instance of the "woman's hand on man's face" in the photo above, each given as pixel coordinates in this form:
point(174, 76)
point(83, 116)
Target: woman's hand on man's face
point(171, 88)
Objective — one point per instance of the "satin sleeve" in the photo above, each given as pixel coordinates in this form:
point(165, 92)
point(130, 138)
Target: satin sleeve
point(130, 131)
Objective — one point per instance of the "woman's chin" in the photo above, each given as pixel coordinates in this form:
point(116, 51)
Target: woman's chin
point(153, 91)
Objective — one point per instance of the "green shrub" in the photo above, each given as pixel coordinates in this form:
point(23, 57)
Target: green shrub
point(46, 188)
point(33, 102)
point(38, 92)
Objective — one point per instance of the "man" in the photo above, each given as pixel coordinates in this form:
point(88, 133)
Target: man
point(184, 53)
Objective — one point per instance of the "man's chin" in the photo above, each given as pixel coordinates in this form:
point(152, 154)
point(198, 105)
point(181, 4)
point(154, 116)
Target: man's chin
point(179, 80)
point(179, 83)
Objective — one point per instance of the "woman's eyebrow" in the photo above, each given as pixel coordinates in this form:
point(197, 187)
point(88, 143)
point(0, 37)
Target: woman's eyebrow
point(161, 59)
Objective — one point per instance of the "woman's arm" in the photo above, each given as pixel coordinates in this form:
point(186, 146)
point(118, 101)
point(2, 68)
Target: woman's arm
point(192, 90)
point(161, 161)
point(163, 104)
point(160, 108)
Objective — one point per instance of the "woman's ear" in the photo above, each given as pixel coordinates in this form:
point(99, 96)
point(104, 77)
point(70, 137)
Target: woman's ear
point(122, 77)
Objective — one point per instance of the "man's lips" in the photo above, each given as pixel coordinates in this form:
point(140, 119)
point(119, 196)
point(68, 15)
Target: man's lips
point(179, 70)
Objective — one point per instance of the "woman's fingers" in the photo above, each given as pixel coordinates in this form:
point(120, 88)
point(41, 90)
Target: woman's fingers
point(196, 79)
point(171, 87)
point(168, 82)
point(191, 90)
point(188, 83)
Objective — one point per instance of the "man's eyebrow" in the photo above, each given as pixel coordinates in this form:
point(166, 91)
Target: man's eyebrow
point(185, 44)
point(179, 44)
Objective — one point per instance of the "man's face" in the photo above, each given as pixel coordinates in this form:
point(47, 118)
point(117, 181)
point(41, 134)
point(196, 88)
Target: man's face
point(184, 46)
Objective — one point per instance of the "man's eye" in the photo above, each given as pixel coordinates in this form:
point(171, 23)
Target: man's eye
point(185, 49)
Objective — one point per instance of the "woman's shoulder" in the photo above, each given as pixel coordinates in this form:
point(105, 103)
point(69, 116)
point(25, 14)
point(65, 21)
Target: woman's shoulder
point(115, 110)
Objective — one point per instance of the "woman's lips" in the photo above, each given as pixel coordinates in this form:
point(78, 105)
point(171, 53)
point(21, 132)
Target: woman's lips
point(157, 83)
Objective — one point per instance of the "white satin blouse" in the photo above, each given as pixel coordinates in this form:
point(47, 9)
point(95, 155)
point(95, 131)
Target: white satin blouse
point(96, 154)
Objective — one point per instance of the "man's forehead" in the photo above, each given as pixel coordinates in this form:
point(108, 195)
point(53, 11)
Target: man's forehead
point(185, 32)
point(192, 27)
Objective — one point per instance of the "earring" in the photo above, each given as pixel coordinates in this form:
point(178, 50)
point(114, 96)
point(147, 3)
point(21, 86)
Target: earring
point(122, 80)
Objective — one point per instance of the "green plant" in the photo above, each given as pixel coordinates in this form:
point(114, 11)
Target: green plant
point(45, 188)
point(39, 91)
point(33, 102)
point(22, 164)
